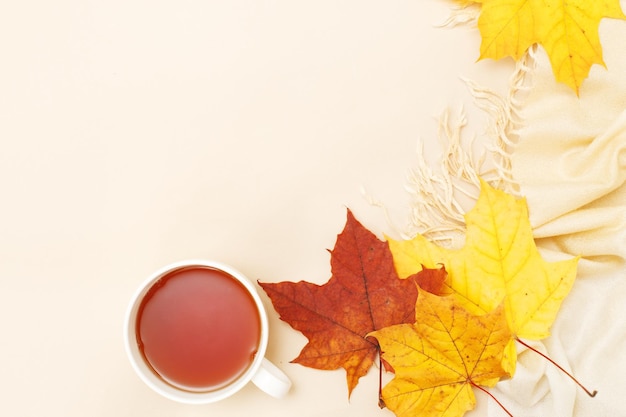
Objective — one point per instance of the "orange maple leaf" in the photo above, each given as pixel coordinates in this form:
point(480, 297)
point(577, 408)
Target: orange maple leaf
point(364, 294)
point(441, 356)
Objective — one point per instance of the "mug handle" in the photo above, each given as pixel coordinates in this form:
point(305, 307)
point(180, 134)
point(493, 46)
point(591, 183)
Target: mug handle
point(271, 380)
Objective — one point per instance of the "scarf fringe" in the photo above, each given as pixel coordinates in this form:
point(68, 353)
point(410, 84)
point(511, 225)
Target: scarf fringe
point(505, 118)
point(438, 199)
point(462, 15)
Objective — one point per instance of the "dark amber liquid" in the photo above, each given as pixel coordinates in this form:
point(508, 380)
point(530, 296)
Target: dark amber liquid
point(198, 328)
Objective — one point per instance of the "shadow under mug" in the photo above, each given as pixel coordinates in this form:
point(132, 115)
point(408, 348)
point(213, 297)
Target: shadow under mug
point(260, 371)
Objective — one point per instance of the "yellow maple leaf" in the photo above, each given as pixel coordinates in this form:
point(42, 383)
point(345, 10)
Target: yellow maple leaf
point(441, 357)
point(567, 30)
point(499, 263)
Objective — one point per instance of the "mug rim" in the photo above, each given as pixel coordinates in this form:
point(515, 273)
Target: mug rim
point(145, 372)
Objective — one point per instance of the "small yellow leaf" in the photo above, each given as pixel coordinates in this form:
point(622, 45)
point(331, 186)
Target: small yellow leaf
point(499, 263)
point(410, 255)
point(438, 359)
point(567, 30)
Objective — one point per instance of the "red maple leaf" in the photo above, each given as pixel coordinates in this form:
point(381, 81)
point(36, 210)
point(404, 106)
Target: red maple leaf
point(364, 294)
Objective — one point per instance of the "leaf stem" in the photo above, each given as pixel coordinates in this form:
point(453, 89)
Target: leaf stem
point(381, 401)
point(589, 393)
point(492, 397)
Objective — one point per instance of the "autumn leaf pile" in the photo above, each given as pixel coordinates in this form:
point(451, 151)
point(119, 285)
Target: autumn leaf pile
point(445, 322)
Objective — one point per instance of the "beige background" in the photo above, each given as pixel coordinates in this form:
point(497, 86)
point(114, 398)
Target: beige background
point(137, 133)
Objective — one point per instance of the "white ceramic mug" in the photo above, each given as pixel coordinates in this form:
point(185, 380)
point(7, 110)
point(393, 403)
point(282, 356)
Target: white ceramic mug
point(261, 372)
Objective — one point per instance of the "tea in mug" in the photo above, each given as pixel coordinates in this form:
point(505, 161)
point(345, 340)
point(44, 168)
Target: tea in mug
point(198, 328)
